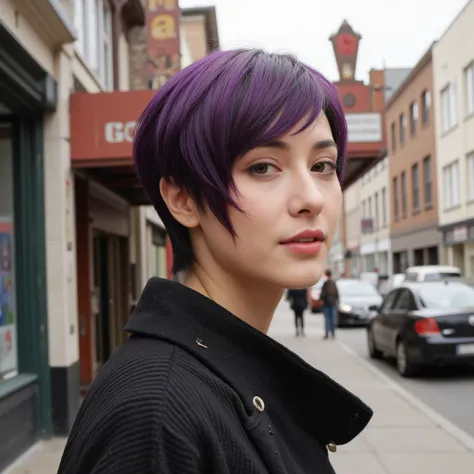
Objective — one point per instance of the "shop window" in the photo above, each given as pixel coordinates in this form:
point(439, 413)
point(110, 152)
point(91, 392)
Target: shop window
point(8, 342)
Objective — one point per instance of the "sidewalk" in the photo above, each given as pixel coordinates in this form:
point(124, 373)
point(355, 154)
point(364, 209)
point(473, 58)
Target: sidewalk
point(404, 436)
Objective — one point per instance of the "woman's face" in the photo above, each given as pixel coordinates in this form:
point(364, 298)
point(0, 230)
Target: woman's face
point(285, 188)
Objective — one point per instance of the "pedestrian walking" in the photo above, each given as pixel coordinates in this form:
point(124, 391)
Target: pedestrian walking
point(299, 302)
point(241, 154)
point(330, 297)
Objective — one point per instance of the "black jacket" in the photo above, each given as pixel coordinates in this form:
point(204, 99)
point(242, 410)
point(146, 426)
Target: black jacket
point(298, 299)
point(197, 390)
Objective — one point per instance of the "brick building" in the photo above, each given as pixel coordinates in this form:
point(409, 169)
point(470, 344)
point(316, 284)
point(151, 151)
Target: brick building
point(412, 170)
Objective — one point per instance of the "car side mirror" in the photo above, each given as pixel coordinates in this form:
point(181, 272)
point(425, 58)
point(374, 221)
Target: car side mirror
point(374, 307)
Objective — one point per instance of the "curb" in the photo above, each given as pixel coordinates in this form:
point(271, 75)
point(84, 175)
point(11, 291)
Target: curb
point(457, 433)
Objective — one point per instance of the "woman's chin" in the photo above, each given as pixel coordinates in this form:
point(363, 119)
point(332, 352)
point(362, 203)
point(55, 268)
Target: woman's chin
point(302, 279)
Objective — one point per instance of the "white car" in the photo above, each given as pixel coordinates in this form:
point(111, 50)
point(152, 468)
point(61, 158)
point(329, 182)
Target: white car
point(431, 272)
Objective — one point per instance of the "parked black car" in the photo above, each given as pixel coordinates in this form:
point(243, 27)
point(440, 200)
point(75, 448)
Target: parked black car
point(428, 323)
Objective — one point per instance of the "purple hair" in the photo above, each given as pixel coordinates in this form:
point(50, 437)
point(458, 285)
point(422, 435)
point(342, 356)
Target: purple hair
point(216, 110)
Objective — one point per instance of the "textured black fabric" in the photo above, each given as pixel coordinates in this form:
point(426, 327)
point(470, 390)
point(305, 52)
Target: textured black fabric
point(178, 397)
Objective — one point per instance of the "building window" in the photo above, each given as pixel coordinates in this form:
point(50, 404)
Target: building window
point(413, 118)
point(395, 199)
point(469, 81)
point(384, 207)
point(452, 193)
point(376, 211)
point(416, 187)
point(428, 185)
point(403, 128)
point(364, 215)
point(369, 211)
point(403, 184)
point(470, 176)
point(93, 21)
point(394, 136)
point(449, 107)
point(426, 106)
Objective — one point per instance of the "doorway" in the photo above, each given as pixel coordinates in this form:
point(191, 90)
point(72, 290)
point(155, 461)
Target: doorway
point(110, 307)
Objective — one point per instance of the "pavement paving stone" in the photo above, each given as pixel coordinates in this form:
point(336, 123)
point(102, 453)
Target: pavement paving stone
point(358, 463)
point(434, 463)
point(412, 440)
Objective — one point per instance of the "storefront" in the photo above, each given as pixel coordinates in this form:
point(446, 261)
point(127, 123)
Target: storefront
point(114, 256)
point(420, 247)
point(458, 242)
point(28, 92)
point(376, 255)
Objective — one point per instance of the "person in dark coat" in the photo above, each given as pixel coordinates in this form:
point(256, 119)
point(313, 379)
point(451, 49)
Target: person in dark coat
point(299, 302)
point(330, 297)
point(241, 154)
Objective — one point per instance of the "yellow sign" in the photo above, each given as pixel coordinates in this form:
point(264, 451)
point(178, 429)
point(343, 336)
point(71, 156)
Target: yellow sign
point(163, 27)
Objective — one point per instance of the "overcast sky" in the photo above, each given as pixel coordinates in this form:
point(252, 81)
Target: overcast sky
point(395, 33)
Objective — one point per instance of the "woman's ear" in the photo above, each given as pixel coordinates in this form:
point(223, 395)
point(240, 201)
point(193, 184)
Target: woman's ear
point(180, 203)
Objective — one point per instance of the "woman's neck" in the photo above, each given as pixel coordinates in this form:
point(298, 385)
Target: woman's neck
point(250, 301)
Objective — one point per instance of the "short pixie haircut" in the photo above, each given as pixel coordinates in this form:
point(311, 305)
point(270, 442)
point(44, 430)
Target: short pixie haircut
point(216, 110)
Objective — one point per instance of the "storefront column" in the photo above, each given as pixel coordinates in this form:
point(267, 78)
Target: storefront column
point(61, 257)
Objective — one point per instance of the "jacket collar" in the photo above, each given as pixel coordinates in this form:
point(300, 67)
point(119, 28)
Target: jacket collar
point(249, 361)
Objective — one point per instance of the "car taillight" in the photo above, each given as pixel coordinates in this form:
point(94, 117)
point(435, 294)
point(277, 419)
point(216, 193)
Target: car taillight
point(427, 327)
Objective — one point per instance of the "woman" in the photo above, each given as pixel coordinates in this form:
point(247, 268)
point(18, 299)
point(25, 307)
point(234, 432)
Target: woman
point(241, 155)
point(299, 302)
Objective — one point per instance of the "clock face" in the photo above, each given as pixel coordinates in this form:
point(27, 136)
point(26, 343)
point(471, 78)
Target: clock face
point(346, 45)
point(347, 72)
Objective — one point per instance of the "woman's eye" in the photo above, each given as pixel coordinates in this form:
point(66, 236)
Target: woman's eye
point(324, 167)
point(263, 169)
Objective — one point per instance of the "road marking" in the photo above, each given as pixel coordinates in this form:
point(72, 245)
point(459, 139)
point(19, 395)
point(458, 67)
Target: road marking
point(466, 439)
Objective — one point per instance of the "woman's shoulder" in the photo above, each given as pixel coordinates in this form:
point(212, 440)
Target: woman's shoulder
point(151, 368)
point(150, 394)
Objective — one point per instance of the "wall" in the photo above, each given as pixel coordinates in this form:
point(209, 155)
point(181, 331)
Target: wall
point(449, 61)
point(373, 183)
point(352, 214)
point(194, 30)
point(415, 149)
point(124, 64)
point(28, 33)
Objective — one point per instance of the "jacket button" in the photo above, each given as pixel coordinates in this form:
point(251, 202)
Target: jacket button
point(200, 343)
point(332, 447)
point(258, 404)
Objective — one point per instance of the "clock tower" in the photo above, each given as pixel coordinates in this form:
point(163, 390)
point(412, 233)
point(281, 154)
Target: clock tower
point(346, 46)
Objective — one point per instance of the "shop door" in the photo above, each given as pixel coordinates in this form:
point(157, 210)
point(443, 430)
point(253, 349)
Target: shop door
point(111, 308)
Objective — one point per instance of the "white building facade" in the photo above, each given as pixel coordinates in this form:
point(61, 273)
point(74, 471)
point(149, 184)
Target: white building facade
point(375, 247)
point(453, 68)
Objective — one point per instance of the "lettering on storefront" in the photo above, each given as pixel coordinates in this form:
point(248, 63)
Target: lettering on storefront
point(120, 132)
point(459, 234)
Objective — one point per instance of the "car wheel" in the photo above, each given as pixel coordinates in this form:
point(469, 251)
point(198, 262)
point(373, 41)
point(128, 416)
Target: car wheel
point(404, 366)
point(374, 353)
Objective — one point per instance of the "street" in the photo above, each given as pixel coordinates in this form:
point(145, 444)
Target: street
point(448, 391)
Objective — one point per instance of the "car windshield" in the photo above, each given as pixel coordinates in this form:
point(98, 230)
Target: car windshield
point(356, 288)
point(441, 275)
point(446, 296)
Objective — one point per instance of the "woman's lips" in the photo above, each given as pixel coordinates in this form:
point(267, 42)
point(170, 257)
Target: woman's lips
point(305, 248)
